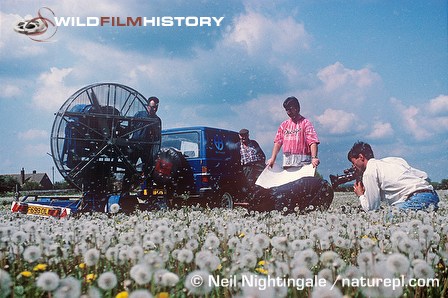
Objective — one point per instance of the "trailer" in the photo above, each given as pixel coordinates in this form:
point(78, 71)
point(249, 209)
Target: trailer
point(95, 149)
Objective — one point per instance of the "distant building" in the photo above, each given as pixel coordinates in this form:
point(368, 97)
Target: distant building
point(41, 178)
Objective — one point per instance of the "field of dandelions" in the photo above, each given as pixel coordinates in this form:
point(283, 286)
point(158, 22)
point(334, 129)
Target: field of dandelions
point(194, 252)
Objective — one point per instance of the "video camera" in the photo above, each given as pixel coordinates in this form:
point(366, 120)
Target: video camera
point(349, 175)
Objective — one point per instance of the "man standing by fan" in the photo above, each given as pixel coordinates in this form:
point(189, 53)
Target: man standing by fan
point(146, 139)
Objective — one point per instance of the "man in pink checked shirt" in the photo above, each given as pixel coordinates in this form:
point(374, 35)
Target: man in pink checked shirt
point(298, 138)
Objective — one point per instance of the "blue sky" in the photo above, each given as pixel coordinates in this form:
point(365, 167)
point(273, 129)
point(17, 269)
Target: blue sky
point(363, 70)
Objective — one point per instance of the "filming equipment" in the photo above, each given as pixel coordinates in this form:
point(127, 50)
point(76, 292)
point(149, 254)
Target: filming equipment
point(349, 175)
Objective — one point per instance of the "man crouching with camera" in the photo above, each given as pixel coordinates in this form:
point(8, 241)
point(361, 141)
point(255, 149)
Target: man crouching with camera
point(390, 179)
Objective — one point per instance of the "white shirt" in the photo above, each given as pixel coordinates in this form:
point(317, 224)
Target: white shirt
point(391, 179)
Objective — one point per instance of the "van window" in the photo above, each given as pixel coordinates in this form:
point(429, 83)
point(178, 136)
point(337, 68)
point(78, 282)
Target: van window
point(186, 142)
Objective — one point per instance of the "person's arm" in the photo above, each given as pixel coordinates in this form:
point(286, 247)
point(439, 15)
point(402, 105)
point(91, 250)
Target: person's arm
point(368, 192)
point(275, 151)
point(259, 151)
point(314, 159)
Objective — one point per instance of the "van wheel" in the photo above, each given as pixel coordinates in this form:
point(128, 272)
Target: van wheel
point(225, 200)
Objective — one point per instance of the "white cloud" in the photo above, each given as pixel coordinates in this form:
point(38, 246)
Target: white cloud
point(338, 121)
point(9, 90)
point(262, 35)
point(51, 90)
point(411, 120)
point(32, 134)
point(337, 76)
point(381, 130)
point(439, 105)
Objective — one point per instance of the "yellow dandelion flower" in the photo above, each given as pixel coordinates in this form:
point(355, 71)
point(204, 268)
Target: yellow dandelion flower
point(90, 277)
point(241, 235)
point(123, 294)
point(82, 265)
point(219, 267)
point(26, 273)
point(261, 263)
point(40, 267)
point(163, 295)
point(261, 270)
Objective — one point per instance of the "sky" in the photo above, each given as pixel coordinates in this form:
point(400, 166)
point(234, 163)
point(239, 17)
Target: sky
point(370, 70)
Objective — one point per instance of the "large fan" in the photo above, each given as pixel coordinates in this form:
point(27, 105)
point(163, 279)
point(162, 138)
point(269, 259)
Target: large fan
point(93, 141)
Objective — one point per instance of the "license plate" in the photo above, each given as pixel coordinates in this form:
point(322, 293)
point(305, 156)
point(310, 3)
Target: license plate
point(38, 210)
point(158, 192)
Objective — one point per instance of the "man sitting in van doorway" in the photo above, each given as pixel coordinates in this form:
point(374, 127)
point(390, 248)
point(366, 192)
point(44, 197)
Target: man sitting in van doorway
point(252, 158)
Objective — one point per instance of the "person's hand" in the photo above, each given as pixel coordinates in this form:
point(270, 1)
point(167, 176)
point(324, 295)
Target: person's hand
point(315, 162)
point(358, 188)
point(270, 162)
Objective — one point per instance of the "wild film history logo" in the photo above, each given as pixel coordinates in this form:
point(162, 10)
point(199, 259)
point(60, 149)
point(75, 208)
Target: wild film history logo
point(41, 28)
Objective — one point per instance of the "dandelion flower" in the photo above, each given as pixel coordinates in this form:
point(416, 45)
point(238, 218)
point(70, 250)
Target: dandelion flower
point(5, 282)
point(91, 257)
point(114, 208)
point(398, 263)
point(107, 280)
point(205, 260)
point(328, 258)
point(211, 242)
point(140, 294)
point(280, 243)
point(40, 267)
point(48, 281)
point(112, 254)
point(326, 292)
point(32, 254)
point(261, 240)
point(326, 274)
point(184, 256)
point(423, 270)
point(301, 273)
point(136, 252)
point(26, 273)
point(307, 257)
point(197, 282)
point(90, 277)
point(192, 244)
point(141, 274)
point(68, 287)
point(123, 294)
point(19, 237)
point(165, 278)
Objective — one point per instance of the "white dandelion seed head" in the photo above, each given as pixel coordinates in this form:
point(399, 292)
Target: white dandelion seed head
point(198, 289)
point(302, 273)
point(141, 274)
point(207, 261)
point(398, 263)
point(184, 256)
point(422, 270)
point(326, 291)
point(68, 287)
point(48, 281)
point(168, 279)
point(140, 294)
point(107, 280)
point(5, 282)
point(32, 254)
point(91, 257)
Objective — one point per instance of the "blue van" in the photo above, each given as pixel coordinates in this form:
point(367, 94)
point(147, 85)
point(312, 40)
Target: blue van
point(197, 165)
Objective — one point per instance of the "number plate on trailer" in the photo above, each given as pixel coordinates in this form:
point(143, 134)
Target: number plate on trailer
point(158, 192)
point(37, 210)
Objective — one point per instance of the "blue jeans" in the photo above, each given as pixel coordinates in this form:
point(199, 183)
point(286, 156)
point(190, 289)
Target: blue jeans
point(420, 201)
